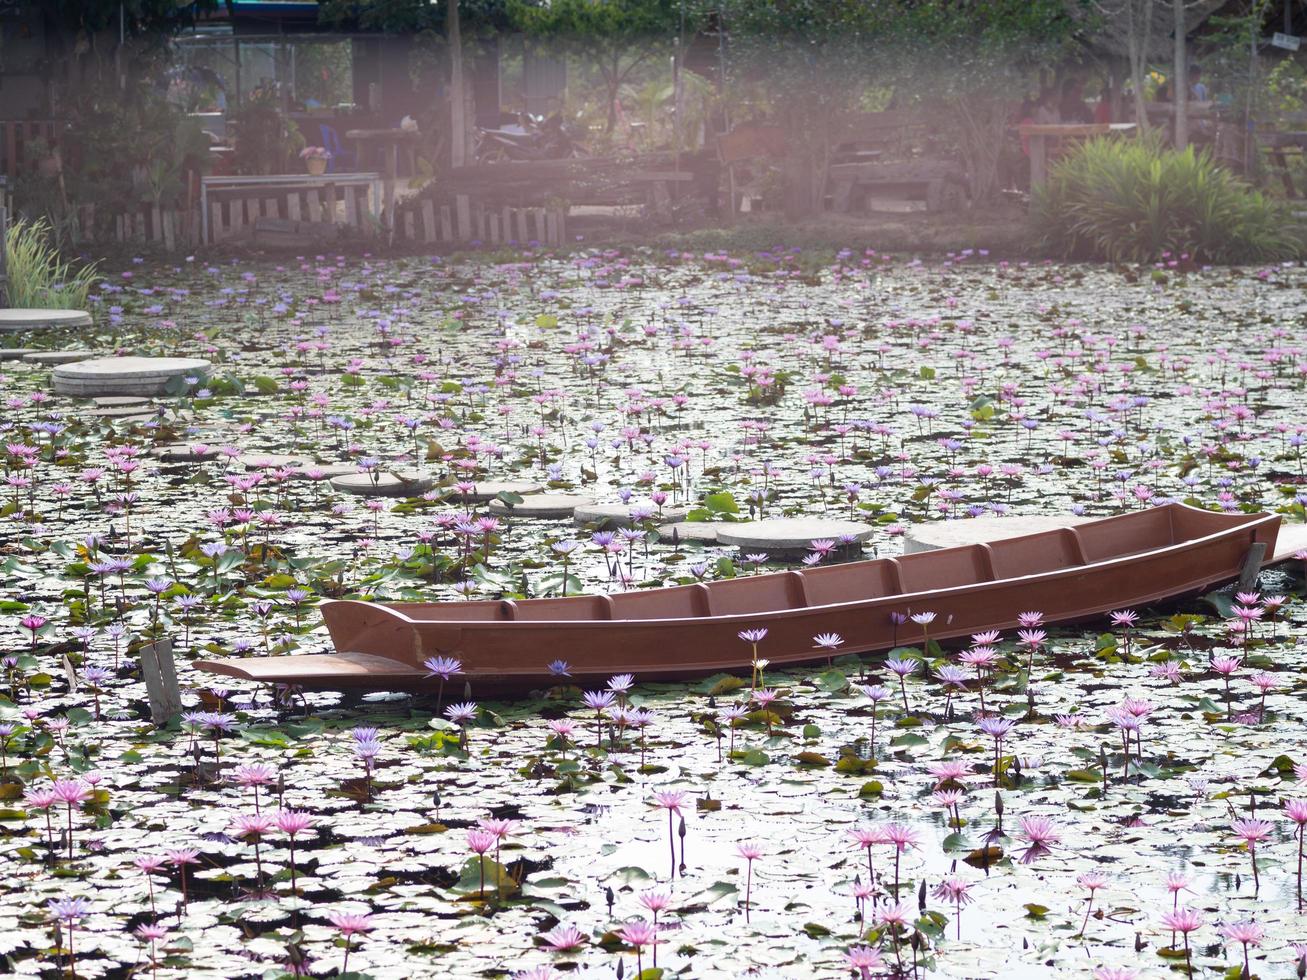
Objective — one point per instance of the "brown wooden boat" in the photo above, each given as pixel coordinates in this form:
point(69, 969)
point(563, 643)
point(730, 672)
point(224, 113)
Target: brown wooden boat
point(1068, 574)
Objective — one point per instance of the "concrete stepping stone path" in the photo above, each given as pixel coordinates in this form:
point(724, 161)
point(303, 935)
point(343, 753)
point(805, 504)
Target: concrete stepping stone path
point(52, 357)
point(18, 320)
point(383, 484)
point(934, 535)
point(619, 515)
point(789, 533)
point(543, 506)
point(124, 375)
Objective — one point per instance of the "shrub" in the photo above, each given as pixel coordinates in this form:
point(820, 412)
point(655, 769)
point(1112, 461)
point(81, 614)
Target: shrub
point(38, 277)
point(1132, 200)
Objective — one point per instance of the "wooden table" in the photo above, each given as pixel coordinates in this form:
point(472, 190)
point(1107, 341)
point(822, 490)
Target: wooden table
point(284, 183)
point(1276, 143)
point(1041, 134)
point(390, 140)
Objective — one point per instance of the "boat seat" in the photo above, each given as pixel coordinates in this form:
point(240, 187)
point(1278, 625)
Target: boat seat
point(1033, 554)
point(678, 602)
point(944, 569)
point(755, 594)
point(849, 582)
point(1127, 534)
point(474, 609)
point(577, 607)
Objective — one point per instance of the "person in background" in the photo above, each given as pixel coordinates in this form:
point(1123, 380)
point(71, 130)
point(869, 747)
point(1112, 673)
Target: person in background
point(1071, 106)
point(1197, 89)
point(1103, 107)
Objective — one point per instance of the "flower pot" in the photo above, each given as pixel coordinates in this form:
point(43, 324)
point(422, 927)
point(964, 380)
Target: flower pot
point(317, 165)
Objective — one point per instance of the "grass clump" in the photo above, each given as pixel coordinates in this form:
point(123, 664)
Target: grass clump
point(38, 277)
point(1134, 200)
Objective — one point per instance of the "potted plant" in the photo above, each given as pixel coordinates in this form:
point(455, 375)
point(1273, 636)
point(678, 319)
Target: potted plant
point(315, 158)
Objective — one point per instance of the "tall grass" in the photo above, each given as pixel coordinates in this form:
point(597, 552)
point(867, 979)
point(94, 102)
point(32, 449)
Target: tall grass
point(38, 277)
point(1133, 200)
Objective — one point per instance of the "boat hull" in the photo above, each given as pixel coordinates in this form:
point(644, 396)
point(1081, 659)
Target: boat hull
point(511, 652)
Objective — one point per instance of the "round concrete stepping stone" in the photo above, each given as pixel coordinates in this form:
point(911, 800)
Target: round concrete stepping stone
point(383, 484)
point(273, 461)
point(324, 471)
point(951, 534)
point(619, 515)
point(543, 506)
point(1291, 539)
point(59, 356)
point(490, 489)
point(789, 533)
point(16, 353)
point(121, 412)
point(184, 452)
point(124, 375)
point(119, 401)
point(699, 531)
point(12, 321)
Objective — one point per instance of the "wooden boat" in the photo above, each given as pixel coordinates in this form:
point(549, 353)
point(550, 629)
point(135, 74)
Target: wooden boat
point(1068, 574)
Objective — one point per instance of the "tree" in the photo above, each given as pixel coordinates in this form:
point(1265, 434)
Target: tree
point(980, 61)
point(616, 35)
point(807, 61)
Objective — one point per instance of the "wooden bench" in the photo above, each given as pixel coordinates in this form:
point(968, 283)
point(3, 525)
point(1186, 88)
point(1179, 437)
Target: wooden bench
point(893, 154)
point(1044, 137)
point(308, 199)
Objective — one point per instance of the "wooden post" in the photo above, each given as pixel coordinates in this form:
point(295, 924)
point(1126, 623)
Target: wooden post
point(457, 98)
point(4, 237)
point(464, 208)
point(1038, 160)
point(160, 673)
point(1180, 84)
point(428, 221)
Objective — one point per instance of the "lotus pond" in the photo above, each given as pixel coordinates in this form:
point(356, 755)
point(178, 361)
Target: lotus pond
point(1130, 801)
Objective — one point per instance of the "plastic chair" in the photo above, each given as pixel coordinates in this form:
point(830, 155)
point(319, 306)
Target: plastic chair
point(342, 160)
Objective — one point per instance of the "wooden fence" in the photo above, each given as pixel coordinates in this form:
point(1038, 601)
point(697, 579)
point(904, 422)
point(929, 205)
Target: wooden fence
point(465, 221)
point(16, 135)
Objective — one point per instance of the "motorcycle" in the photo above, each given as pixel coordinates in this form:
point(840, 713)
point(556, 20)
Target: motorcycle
point(532, 138)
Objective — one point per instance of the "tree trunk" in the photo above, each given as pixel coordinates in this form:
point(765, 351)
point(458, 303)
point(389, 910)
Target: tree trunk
point(457, 98)
point(1180, 85)
point(1139, 24)
point(799, 168)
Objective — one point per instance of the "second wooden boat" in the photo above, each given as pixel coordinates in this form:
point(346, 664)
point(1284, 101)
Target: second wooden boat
point(1067, 574)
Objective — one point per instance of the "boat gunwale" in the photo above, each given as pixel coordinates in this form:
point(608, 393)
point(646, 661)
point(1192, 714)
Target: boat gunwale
point(1253, 524)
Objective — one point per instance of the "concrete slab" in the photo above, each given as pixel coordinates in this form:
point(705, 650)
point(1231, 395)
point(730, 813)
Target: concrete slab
point(272, 461)
point(487, 490)
point(1291, 540)
point(543, 506)
point(789, 533)
point(384, 484)
point(619, 515)
point(700, 531)
point(934, 535)
point(16, 320)
point(182, 452)
point(124, 375)
point(51, 357)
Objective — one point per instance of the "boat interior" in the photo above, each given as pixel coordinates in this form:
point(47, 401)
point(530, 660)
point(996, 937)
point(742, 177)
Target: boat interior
point(1032, 554)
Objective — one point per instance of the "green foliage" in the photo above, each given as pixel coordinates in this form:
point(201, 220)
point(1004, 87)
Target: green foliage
point(38, 277)
point(266, 141)
point(1133, 200)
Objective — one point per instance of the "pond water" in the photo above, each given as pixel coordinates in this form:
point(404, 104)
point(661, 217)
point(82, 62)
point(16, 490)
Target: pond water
point(772, 384)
